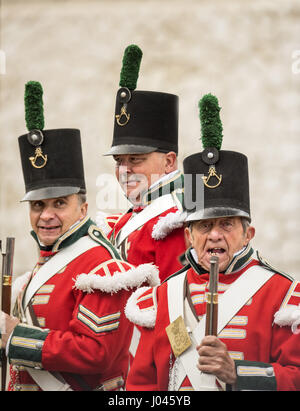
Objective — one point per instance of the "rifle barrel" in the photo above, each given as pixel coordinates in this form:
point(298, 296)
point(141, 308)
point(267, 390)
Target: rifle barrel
point(212, 298)
point(7, 271)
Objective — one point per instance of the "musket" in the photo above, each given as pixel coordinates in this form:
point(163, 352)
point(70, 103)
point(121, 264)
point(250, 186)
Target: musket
point(7, 270)
point(211, 325)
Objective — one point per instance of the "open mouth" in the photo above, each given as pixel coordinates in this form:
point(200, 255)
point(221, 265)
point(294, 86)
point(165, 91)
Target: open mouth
point(131, 183)
point(49, 229)
point(216, 250)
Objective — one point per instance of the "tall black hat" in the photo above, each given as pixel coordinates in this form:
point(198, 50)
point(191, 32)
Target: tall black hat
point(51, 159)
point(145, 121)
point(216, 181)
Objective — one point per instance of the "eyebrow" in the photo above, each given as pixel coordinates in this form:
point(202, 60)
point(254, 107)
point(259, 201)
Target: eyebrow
point(43, 200)
point(140, 155)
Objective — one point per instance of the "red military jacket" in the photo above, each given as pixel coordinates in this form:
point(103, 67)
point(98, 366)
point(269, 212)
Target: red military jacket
point(262, 337)
point(160, 239)
point(81, 330)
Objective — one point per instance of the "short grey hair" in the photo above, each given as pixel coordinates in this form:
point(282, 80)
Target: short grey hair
point(81, 198)
point(245, 223)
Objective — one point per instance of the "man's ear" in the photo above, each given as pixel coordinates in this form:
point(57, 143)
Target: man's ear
point(250, 233)
point(188, 235)
point(171, 162)
point(83, 209)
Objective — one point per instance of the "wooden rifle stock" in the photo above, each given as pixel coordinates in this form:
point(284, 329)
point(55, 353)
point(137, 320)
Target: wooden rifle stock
point(211, 325)
point(7, 268)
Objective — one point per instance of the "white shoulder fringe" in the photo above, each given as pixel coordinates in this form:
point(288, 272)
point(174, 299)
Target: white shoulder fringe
point(132, 278)
point(289, 315)
point(18, 285)
point(167, 224)
point(146, 318)
point(101, 222)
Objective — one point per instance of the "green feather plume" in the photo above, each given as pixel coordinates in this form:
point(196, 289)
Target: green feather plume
point(34, 109)
point(211, 125)
point(131, 66)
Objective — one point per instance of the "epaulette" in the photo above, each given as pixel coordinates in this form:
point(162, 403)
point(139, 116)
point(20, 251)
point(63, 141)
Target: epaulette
point(141, 307)
point(269, 267)
point(166, 224)
point(97, 235)
point(112, 276)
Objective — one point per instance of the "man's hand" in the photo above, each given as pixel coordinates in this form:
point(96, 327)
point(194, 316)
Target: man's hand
point(214, 359)
point(7, 325)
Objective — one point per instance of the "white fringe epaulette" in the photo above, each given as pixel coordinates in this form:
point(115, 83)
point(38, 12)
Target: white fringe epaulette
point(289, 315)
point(101, 222)
point(132, 278)
point(145, 318)
point(18, 285)
point(166, 224)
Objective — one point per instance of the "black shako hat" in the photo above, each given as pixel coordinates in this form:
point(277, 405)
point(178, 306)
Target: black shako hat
point(144, 121)
point(52, 160)
point(216, 181)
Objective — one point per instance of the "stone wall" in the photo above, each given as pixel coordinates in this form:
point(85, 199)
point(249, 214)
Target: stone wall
point(245, 52)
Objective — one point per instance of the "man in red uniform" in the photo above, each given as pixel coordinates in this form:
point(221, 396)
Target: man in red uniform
point(257, 343)
point(145, 147)
point(69, 331)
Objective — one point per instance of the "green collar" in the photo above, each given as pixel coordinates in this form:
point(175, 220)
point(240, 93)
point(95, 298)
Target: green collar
point(236, 263)
point(167, 186)
point(240, 260)
point(77, 231)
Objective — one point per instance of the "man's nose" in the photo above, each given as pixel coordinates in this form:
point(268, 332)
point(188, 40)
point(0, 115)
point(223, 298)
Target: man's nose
point(215, 233)
point(124, 169)
point(47, 213)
